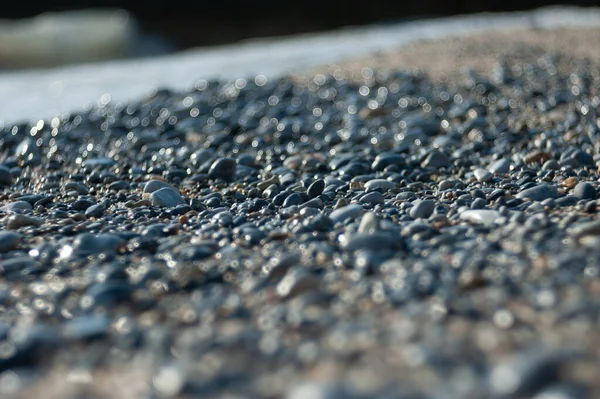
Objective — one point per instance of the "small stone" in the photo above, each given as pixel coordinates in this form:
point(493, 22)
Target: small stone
point(293, 199)
point(500, 166)
point(551, 165)
point(379, 184)
point(154, 185)
point(316, 188)
point(482, 175)
point(167, 197)
point(102, 163)
point(422, 209)
point(436, 159)
point(94, 211)
point(223, 168)
point(584, 190)
point(478, 203)
point(480, 216)
point(372, 198)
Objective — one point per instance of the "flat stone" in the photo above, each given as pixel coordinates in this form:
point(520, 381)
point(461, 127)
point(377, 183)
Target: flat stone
point(94, 211)
point(480, 216)
point(17, 206)
point(539, 193)
point(167, 197)
point(93, 163)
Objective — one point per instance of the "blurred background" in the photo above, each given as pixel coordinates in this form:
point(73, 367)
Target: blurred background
point(51, 32)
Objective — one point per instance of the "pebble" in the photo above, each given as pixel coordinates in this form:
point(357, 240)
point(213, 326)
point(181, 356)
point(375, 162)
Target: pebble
point(500, 166)
point(422, 209)
point(91, 244)
point(386, 232)
point(166, 197)
point(483, 175)
point(223, 168)
point(17, 221)
point(480, 216)
point(584, 190)
point(17, 206)
point(539, 193)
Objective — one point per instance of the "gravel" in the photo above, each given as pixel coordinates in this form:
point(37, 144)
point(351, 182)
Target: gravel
point(395, 236)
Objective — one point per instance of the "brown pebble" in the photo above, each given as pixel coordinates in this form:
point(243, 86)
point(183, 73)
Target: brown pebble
point(570, 182)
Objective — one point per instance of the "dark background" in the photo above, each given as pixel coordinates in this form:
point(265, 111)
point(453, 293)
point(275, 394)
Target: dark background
point(188, 23)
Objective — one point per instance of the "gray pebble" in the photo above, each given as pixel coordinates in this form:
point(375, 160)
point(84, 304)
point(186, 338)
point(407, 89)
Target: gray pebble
point(166, 197)
point(422, 209)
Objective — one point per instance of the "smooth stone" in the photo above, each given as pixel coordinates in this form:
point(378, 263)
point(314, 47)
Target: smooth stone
point(9, 241)
point(379, 184)
point(480, 216)
point(482, 175)
point(166, 197)
point(223, 168)
point(436, 159)
point(294, 199)
point(6, 178)
point(372, 242)
point(539, 193)
point(478, 203)
point(369, 223)
point(102, 163)
point(17, 206)
point(386, 159)
point(316, 188)
point(94, 211)
point(584, 190)
point(154, 185)
point(346, 212)
point(500, 166)
point(16, 221)
point(91, 244)
point(422, 209)
point(297, 281)
point(551, 164)
point(373, 198)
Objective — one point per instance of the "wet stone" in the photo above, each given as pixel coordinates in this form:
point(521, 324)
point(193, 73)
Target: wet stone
point(154, 185)
point(500, 166)
point(316, 188)
point(17, 206)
